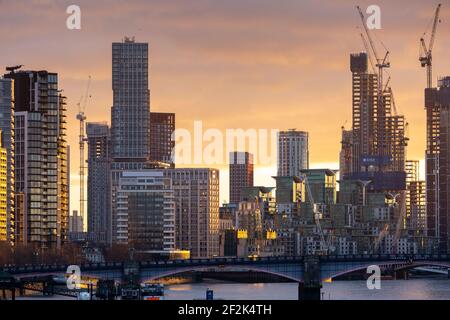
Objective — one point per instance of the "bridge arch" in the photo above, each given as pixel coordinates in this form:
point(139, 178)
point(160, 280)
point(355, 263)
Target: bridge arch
point(153, 277)
point(384, 265)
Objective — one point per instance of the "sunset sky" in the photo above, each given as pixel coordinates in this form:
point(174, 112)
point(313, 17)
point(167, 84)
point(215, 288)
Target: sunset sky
point(232, 64)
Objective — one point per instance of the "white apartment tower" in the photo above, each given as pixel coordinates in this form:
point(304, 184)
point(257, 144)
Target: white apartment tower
point(293, 152)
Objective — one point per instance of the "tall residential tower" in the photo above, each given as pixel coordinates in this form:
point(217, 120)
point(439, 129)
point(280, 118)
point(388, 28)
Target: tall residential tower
point(293, 152)
point(99, 178)
point(241, 174)
point(41, 173)
point(7, 142)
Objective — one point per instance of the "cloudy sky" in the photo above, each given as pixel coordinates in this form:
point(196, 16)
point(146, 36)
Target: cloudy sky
point(232, 64)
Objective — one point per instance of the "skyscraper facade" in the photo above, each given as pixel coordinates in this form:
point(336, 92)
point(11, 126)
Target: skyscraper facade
point(162, 127)
point(7, 142)
point(41, 173)
point(438, 152)
point(130, 117)
point(146, 211)
point(130, 121)
point(293, 152)
point(241, 174)
point(196, 193)
point(3, 193)
point(99, 181)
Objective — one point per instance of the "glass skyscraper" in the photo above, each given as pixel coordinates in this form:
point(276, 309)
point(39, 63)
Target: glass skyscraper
point(130, 122)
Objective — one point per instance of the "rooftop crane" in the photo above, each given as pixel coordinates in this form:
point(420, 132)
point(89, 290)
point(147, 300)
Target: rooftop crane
point(12, 69)
point(82, 118)
point(381, 63)
point(426, 53)
point(366, 46)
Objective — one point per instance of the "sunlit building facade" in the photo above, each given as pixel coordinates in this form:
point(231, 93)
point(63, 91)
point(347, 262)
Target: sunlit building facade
point(3, 193)
point(241, 174)
point(293, 152)
point(41, 172)
point(7, 142)
point(196, 193)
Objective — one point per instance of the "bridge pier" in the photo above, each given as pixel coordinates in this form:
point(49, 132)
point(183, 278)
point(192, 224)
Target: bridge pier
point(48, 288)
point(401, 275)
point(448, 273)
point(310, 288)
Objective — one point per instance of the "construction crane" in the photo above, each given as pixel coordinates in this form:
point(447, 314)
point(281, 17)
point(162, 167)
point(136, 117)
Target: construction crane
point(12, 69)
point(366, 46)
point(426, 52)
point(326, 245)
point(381, 236)
point(381, 63)
point(82, 118)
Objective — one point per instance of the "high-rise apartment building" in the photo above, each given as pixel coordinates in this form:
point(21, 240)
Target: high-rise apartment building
point(146, 211)
point(130, 117)
point(162, 127)
point(437, 100)
point(241, 174)
point(99, 181)
point(41, 173)
point(293, 152)
point(196, 193)
point(3, 193)
point(7, 142)
point(130, 113)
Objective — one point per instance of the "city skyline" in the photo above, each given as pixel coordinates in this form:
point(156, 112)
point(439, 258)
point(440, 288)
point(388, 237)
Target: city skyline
point(150, 144)
point(282, 70)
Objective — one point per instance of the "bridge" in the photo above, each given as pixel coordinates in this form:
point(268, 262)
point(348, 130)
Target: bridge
point(307, 270)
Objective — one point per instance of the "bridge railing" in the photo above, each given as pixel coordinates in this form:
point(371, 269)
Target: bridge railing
point(224, 261)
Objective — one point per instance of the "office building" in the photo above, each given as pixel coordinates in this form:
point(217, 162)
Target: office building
point(241, 174)
point(293, 152)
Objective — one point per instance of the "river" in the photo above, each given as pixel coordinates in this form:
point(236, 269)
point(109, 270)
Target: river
point(421, 289)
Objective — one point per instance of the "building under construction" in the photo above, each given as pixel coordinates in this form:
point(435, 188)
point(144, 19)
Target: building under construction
point(374, 150)
point(415, 218)
point(437, 104)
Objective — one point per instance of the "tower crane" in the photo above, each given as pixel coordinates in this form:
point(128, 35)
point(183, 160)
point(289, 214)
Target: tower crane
point(366, 46)
point(82, 118)
point(381, 63)
point(426, 52)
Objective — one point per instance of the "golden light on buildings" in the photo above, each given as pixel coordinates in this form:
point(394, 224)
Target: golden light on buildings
point(271, 235)
point(3, 194)
point(242, 234)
